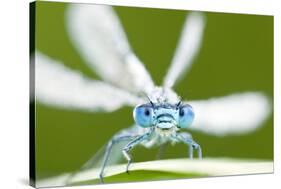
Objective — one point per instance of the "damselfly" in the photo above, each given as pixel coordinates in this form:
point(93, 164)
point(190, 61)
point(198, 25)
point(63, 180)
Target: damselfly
point(160, 114)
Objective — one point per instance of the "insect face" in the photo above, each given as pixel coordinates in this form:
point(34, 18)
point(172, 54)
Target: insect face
point(144, 115)
point(186, 116)
point(164, 116)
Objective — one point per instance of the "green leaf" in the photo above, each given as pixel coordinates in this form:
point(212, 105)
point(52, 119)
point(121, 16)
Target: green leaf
point(163, 170)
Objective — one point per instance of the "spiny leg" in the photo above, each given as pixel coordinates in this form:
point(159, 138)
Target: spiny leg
point(116, 139)
point(184, 136)
point(131, 145)
point(199, 151)
point(187, 139)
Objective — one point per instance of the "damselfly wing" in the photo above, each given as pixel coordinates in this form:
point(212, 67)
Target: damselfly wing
point(97, 34)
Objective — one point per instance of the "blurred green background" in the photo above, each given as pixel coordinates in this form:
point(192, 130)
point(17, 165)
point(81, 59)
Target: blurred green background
point(236, 56)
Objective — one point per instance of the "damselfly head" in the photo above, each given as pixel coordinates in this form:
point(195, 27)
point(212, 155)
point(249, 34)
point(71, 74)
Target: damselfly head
point(163, 116)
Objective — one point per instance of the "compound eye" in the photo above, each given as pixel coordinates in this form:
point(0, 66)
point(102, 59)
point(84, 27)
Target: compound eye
point(186, 116)
point(143, 115)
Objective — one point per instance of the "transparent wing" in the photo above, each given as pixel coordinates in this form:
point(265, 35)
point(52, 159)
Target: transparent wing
point(91, 169)
point(188, 46)
point(60, 86)
point(236, 113)
point(97, 34)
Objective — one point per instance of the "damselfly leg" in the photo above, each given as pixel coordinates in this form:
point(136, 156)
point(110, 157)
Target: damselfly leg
point(132, 144)
point(187, 139)
point(116, 139)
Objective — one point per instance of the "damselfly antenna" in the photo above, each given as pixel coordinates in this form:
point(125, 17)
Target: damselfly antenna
point(150, 101)
point(178, 104)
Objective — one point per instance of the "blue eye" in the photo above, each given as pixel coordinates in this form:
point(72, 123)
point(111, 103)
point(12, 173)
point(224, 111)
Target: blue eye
point(143, 115)
point(186, 116)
